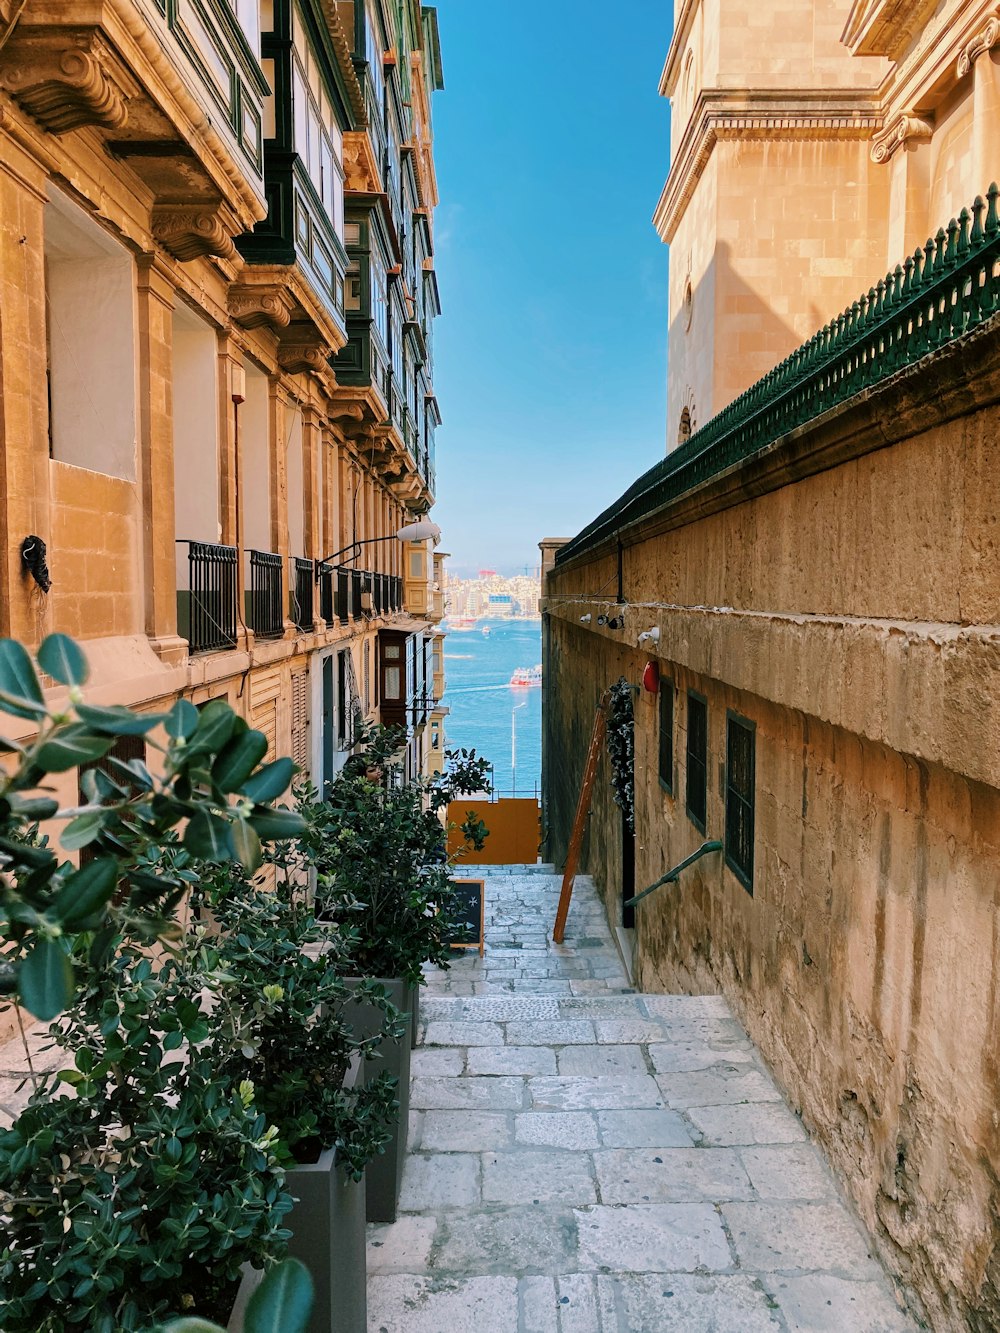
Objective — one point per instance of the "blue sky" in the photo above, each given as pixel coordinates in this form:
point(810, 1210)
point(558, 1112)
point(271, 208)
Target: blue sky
point(551, 144)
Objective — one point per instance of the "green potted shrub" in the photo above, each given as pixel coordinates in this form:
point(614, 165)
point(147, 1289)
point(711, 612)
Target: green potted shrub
point(158, 1177)
point(379, 850)
point(284, 1019)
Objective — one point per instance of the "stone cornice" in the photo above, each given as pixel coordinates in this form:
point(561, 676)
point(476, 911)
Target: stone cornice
point(905, 128)
point(345, 62)
point(678, 44)
point(794, 114)
point(885, 27)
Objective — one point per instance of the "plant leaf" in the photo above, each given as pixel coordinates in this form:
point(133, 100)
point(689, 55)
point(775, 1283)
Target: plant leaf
point(182, 720)
point(86, 892)
point(119, 721)
point(20, 692)
point(32, 807)
point(283, 1301)
point(246, 844)
point(63, 660)
point(190, 1325)
point(278, 823)
point(215, 726)
point(209, 837)
point(45, 980)
point(238, 759)
point(269, 782)
point(82, 830)
point(68, 747)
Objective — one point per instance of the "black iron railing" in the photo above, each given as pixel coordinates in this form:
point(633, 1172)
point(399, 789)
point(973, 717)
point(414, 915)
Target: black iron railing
point(326, 578)
point(206, 608)
point(264, 606)
point(356, 585)
point(343, 595)
point(946, 288)
point(378, 583)
point(302, 592)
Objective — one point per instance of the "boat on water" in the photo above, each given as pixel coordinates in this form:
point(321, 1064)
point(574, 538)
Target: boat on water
point(461, 623)
point(486, 631)
point(525, 677)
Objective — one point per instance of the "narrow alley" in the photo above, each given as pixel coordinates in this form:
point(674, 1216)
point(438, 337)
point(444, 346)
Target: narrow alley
point(585, 1159)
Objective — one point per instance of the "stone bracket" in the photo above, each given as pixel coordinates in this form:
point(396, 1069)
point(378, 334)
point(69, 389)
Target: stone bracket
point(983, 41)
point(190, 231)
point(904, 129)
point(66, 78)
point(255, 306)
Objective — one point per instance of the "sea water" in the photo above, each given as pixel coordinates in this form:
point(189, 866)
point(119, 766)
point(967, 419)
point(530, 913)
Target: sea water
point(484, 705)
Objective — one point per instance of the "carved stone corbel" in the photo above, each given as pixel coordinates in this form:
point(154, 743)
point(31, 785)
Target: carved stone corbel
point(303, 350)
point(190, 231)
point(984, 41)
point(904, 129)
point(346, 412)
point(65, 79)
point(253, 307)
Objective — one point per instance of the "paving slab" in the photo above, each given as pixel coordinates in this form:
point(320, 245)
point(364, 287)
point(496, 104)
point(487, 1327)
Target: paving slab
point(586, 1159)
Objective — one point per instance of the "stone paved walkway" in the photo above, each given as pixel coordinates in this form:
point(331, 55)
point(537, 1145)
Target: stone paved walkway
point(584, 1159)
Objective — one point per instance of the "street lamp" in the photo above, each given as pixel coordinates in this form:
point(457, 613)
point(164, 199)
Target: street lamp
point(409, 532)
point(513, 748)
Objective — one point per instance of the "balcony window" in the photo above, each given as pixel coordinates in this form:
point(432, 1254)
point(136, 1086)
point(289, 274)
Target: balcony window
point(666, 746)
point(89, 286)
point(196, 427)
point(374, 54)
point(740, 791)
point(318, 139)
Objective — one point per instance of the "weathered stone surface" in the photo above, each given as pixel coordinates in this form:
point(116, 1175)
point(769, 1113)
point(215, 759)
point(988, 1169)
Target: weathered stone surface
point(657, 1238)
point(680, 1303)
point(689, 1056)
point(510, 1060)
point(403, 1246)
point(759, 1122)
point(400, 1303)
point(788, 1171)
point(574, 1131)
point(538, 1177)
point(597, 1061)
point(724, 1085)
point(555, 1033)
point(439, 1180)
point(671, 1175)
point(463, 1034)
point(644, 1129)
point(820, 1303)
point(456, 1094)
point(779, 1236)
point(427, 1062)
point(581, 1094)
point(464, 1131)
point(508, 1240)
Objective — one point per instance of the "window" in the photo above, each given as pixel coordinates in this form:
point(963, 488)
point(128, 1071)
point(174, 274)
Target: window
point(740, 762)
point(89, 285)
point(318, 138)
point(667, 735)
point(697, 759)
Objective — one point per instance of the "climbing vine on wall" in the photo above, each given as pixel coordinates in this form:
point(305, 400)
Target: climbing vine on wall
point(621, 749)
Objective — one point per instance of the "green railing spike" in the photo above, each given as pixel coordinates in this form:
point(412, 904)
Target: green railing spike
point(951, 256)
point(978, 209)
point(940, 240)
point(962, 248)
point(992, 221)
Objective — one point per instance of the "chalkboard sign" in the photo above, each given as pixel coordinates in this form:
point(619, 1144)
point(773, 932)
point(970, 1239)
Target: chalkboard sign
point(467, 915)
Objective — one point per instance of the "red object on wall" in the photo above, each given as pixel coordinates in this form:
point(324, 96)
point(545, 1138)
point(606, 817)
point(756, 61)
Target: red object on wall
point(651, 678)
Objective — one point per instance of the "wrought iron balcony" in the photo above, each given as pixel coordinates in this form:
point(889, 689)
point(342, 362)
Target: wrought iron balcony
point(357, 585)
point(326, 577)
point(264, 610)
point(343, 595)
point(302, 592)
point(206, 608)
point(946, 288)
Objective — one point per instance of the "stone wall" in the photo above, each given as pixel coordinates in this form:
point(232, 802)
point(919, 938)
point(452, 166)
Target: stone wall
point(844, 597)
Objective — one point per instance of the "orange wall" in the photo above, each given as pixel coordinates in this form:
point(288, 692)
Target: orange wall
point(514, 831)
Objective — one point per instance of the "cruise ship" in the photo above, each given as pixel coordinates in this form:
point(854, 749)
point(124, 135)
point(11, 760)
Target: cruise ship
point(525, 677)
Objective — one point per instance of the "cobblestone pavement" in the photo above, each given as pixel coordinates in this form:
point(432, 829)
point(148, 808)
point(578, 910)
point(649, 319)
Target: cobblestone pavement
point(584, 1159)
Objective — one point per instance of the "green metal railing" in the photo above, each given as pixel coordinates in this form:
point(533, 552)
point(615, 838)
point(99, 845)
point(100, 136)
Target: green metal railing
point(713, 846)
point(942, 291)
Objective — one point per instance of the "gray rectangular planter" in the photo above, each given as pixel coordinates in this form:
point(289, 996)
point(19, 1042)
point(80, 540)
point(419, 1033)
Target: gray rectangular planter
point(384, 1174)
point(328, 1235)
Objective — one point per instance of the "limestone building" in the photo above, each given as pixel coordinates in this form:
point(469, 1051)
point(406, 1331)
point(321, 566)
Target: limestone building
point(217, 289)
point(810, 574)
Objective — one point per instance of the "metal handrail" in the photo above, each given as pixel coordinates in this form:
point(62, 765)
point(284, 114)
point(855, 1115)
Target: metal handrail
point(713, 846)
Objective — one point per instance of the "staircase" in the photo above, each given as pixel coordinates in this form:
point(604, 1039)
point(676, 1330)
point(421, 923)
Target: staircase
point(586, 1159)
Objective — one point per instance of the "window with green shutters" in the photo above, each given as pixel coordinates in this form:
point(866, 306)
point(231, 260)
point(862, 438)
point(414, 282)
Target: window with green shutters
point(740, 793)
point(697, 759)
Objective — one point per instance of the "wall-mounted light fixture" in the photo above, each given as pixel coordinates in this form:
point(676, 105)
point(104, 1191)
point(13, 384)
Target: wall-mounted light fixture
point(611, 622)
point(33, 560)
point(585, 620)
point(650, 635)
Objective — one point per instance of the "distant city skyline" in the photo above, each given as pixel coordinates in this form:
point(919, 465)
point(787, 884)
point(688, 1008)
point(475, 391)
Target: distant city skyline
point(550, 356)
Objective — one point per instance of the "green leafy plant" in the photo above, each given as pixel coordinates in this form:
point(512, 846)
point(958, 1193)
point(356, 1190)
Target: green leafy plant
point(143, 1193)
point(209, 778)
point(282, 1017)
point(381, 859)
point(281, 1304)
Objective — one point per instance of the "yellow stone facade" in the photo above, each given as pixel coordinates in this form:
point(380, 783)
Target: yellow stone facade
point(813, 147)
point(164, 382)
